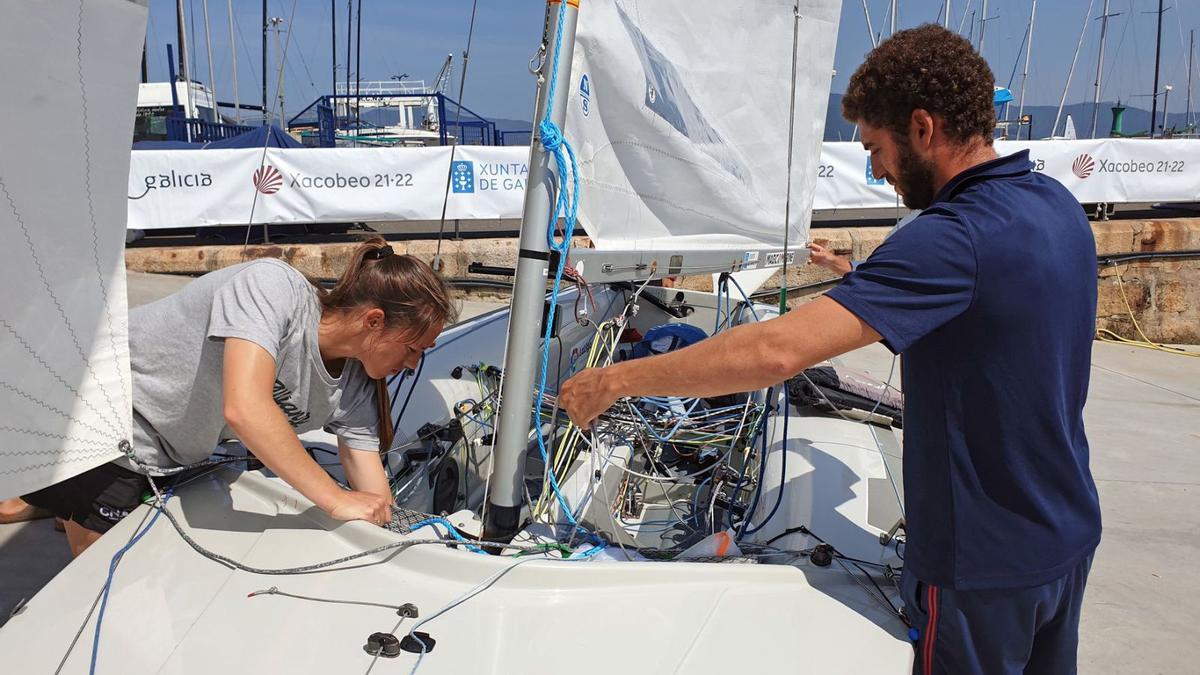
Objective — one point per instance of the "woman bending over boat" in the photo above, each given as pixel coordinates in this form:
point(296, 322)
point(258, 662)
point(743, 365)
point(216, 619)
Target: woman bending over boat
point(258, 353)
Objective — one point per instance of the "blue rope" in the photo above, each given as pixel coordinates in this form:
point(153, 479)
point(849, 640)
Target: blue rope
point(552, 141)
point(112, 569)
point(430, 522)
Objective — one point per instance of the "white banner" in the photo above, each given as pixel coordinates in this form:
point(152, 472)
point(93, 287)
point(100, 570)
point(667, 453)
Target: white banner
point(195, 188)
point(1107, 170)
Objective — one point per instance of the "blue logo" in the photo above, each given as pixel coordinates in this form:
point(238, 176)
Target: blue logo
point(462, 177)
point(871, 179)
point(585, 95)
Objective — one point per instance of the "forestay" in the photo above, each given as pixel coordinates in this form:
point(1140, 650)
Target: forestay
point(65, 128)
point(679, 116)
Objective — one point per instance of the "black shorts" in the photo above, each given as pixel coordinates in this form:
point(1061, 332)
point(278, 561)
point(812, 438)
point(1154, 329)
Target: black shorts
point(96, 499)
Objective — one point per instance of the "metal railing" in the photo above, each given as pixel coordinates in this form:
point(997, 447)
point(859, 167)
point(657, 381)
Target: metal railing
point(383, 87)
point(193, 130)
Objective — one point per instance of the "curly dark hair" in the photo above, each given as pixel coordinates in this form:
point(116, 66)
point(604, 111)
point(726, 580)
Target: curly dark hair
point(926, 67)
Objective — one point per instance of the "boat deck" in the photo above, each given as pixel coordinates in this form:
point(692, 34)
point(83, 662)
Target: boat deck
point(1143, 421)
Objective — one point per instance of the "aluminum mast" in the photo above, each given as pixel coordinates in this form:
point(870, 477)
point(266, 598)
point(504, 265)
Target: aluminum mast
point(529, 292)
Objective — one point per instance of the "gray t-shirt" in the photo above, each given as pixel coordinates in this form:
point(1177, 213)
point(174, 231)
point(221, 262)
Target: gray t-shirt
point(177, 350)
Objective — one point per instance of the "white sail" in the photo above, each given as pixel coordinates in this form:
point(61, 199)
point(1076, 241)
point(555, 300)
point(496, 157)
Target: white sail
point(679, 116)
point(65, 385)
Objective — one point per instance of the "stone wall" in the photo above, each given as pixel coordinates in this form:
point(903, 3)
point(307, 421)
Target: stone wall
point(1164, 295)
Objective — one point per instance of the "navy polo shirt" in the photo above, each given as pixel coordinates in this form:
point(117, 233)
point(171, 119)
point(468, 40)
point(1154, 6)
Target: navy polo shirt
point(990, 295)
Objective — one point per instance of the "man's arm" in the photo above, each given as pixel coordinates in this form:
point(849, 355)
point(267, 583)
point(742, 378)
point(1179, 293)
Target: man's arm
point(249, 375)
point(364, 470)
point(744, 358)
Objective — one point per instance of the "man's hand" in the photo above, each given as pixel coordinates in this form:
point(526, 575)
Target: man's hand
point(355, 505)
point(587, 395)
point(825, 257)
point(743, 358)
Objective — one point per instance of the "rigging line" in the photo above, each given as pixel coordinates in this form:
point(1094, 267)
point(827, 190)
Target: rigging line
point(274, 590)
point(262, 162)
point(246, 54)
point(462, 83)
point(479, 588)
point(962, 21)
point(1087, 16)
point(787, 204)
point(88, 616)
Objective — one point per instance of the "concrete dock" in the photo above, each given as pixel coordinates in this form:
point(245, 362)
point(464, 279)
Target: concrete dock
point(1142, 609)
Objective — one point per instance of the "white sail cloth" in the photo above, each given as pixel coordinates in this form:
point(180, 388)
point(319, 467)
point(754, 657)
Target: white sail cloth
point(679, 115)
point(66, 124)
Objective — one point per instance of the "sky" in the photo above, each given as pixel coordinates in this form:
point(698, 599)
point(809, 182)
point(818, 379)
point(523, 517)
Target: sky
point(414, 36)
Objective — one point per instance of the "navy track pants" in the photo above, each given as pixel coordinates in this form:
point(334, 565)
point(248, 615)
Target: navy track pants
point(1011, 631)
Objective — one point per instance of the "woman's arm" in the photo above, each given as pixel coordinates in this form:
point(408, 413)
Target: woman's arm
point(364, 470)
point(251, 412)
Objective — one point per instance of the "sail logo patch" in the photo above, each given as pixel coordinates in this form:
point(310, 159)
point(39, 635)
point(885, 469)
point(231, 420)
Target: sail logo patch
point(585, 95)
point(462, 177)
point(267, 179)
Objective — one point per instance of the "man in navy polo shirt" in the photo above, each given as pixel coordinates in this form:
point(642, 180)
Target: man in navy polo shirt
point(990, 295)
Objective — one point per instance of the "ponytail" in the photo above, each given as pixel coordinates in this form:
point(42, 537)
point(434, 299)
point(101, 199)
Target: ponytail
point(412, 296)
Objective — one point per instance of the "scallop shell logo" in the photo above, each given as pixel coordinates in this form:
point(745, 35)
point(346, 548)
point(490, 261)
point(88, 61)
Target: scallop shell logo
point(1083, 166)
point(268, 180)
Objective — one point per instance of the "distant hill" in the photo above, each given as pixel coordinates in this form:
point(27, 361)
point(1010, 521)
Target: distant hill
point(1136, 119)
point(836, 128)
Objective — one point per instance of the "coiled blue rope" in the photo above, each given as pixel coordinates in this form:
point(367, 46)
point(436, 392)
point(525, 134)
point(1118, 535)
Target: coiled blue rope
point(552, 140)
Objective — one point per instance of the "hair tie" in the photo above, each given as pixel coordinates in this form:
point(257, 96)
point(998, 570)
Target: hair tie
point(379, 253)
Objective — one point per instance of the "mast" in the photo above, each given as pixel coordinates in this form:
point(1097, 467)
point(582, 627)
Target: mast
point(212, 80)
point(983, 26)
point(1100, 66)
point(946, 16)
point(237, 100)
point(1025, 73)
point(265, 107)
point(1191, 46)
point(184, 72)
point(349, 40)
point(333, 50)
point(276, 23)
point(893, 18)
point(1157, 59)
point(1070, 73)
point(358, 71)
point(529, 291)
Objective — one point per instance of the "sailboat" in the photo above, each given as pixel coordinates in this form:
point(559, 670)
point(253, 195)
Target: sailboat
point(687, 536)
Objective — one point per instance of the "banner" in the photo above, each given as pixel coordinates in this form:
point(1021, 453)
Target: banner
point(1109, 170)
point(197, 188)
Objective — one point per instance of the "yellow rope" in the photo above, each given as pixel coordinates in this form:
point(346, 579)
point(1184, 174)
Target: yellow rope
point(1105, 335)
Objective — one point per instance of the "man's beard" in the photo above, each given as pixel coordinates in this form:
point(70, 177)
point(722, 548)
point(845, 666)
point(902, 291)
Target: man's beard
point(915, 179)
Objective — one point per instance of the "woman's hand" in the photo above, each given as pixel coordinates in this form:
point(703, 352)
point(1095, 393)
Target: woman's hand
point(355, 505)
